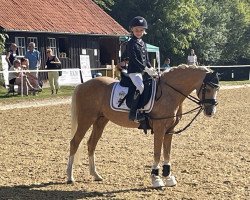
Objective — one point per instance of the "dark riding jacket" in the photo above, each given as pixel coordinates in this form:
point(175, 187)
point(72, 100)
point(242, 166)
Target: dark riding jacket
point(137, 55)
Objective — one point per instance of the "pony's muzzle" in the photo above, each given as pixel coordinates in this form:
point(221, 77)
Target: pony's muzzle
point(209, 110)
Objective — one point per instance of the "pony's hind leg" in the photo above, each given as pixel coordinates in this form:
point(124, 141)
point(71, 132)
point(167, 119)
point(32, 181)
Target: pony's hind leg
point(96, 134)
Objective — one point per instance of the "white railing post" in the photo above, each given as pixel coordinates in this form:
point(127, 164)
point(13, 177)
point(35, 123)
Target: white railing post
point(22, 82)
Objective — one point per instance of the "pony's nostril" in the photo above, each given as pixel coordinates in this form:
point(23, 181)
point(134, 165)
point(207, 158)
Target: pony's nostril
point(208, 114)
point(209, 111)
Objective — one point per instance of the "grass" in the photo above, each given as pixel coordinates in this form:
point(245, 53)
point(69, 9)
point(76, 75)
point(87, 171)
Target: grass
point(66, 91)
point(235, 82)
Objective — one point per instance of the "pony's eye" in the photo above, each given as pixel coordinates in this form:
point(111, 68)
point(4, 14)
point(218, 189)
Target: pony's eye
point(208, 90)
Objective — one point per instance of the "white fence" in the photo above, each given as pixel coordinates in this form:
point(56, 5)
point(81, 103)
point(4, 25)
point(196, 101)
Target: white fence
point(75, 76)
point(70, 77)
point(232, 72)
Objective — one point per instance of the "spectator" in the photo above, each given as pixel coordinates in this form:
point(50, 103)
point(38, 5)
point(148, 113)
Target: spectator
point(34, 61)
point(15, 78)
point(192, 58)
point(11, 54)
point(32, 79)
point(53, 63)
point(166, 64)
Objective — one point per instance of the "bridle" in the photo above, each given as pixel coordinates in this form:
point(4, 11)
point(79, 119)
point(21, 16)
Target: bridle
point(211, 79)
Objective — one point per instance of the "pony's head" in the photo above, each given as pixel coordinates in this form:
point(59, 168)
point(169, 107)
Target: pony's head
point(208, 93)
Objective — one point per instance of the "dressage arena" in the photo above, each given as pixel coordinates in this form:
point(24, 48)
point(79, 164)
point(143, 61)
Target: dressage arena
point(210, 160)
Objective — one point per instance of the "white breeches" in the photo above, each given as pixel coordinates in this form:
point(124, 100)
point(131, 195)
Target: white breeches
point(136, 78)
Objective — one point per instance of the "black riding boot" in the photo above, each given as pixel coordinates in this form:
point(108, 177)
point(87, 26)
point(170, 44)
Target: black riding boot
point(133, 114)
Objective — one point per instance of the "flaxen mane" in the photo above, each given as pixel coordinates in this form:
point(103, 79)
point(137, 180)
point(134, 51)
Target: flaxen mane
point(184, 66)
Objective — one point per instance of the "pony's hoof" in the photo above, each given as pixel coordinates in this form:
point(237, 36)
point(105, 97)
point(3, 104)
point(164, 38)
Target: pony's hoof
point(170, 181)
point(157, 182)
point(98, 178)
point(70, 181)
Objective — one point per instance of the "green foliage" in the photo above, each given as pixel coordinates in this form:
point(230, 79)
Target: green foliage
point(105, 4)
point(172, 24)
point(238, 46)
point(211, 36)
point(2, 42)
point(2, 45)
point(218, 30)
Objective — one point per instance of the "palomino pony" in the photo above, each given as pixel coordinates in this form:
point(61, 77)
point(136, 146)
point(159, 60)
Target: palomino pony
point(90, 106)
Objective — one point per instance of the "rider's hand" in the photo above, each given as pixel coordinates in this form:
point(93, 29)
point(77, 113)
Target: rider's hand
point(151, 71)
point(121, 65)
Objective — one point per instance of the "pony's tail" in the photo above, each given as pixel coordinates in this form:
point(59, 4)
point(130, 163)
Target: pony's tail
point(74, 123)
point(74, 114)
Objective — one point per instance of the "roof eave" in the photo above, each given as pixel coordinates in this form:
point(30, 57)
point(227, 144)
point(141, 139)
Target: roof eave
point(67, 33)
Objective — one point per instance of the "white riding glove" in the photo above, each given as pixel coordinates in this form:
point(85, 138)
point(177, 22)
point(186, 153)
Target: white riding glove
point(151, 71)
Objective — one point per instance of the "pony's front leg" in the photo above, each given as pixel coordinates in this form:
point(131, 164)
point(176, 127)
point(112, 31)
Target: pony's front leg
point(155, 177)
point(166, 172)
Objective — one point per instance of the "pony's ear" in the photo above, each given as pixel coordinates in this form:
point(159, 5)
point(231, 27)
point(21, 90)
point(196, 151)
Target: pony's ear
point(219, 75)
point(212, 79)
point(216, 74)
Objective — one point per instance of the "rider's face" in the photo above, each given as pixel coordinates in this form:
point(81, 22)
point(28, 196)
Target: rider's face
point(138, 31)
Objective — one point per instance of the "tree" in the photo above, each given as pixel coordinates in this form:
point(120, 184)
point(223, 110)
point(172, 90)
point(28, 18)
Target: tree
point(104, 4)
point(237, 48)
point(2, 42)
point(218, 30)
point(222, 37)
point(211, 36)
point(172, 24)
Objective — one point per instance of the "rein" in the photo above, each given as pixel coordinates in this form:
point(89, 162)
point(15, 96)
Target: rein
point(190, 97)
point(193, 99)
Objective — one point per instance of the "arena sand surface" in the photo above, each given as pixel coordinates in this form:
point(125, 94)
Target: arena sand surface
point(211, 160)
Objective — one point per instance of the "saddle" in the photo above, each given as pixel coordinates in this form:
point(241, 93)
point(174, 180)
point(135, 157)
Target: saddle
point(147, 92)
point(123, 92)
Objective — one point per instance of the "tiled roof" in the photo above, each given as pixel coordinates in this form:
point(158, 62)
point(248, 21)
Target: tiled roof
point(57, 16)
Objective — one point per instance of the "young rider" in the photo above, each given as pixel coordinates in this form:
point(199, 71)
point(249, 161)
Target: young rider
point(138, 62)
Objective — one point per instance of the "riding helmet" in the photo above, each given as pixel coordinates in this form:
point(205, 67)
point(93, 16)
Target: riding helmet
point(138, 21)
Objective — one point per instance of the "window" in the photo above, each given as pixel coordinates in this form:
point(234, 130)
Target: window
point(33, 39)
point(21, 47)
point(63, 47)
point(52, 45)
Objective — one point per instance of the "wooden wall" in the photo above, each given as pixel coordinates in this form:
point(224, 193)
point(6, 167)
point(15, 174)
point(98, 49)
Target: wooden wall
point(93, 45)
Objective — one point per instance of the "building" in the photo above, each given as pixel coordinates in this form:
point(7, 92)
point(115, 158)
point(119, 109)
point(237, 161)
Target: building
point(69, 27)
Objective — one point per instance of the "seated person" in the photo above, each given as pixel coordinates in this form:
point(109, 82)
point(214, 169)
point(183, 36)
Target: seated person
point(15, 78)
point(32, 79)
point(166, 64)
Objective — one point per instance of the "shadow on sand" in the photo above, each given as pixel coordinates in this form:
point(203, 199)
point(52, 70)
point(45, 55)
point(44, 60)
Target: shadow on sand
point(39, 192)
